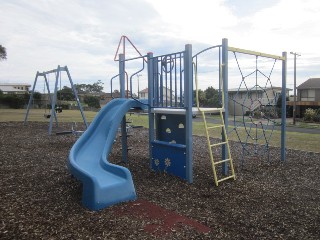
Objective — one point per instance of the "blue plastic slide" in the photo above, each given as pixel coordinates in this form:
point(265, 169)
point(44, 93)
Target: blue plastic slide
point(104, 183)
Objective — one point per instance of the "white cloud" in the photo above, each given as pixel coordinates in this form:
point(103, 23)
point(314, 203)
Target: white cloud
point(84, 35)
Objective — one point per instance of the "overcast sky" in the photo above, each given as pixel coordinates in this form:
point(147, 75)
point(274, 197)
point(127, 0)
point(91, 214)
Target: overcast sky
point(84, 34)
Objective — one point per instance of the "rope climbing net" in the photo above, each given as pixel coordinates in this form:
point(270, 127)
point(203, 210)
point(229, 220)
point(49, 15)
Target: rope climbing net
point(255, 103)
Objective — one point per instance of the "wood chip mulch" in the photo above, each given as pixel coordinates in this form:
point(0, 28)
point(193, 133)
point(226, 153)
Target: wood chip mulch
point(41, 200)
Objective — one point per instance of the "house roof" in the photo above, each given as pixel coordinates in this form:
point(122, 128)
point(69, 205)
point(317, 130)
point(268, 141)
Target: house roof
point(10, 89)
point(15, 84)
point(259, 89)
point(310, 83)
point(144, 90)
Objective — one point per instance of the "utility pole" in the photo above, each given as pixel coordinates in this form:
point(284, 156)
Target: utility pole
point(294, 86)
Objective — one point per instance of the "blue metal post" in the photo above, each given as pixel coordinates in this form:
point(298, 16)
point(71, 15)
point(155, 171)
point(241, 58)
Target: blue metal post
point(225, 103)
point(150, 103)
point(54, 100)
point(124, 120)
point(283, 110)
point(30, 99)
point(188, 82)
point(49, 95)
point(76, 97)
point(122, 95)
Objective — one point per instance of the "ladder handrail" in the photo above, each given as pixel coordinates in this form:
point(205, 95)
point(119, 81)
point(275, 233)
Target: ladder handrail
point(197, 85)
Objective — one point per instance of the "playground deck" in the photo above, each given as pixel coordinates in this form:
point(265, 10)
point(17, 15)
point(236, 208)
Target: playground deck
point(40, 200)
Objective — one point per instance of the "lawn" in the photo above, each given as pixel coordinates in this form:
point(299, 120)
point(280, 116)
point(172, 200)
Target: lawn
point(299, 141)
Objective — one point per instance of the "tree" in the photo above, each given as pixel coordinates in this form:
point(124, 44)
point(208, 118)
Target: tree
point(3, 53)
point(92, 101)
point(201, 96)
point(97, 87)
point(37, 96)
point(90, 88)
point(65, 94)
point(208, 98)
point(212, 97)
point(81, 88)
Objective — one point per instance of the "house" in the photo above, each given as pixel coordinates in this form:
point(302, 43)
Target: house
point(308, 96)
point(143, 94)
point(14, 88)
point(166, 93)
point(107, 97)
point(244, 100)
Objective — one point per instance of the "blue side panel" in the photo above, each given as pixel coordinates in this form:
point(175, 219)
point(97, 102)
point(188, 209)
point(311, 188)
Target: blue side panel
point(171, 127)
point(169, 158)
point(104, 184)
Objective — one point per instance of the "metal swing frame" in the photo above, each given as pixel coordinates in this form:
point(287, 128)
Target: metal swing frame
point(53, 100)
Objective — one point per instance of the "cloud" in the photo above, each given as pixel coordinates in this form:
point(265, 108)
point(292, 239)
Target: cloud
point(84, 35)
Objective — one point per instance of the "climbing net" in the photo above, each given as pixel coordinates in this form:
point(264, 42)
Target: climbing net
point(254, 103)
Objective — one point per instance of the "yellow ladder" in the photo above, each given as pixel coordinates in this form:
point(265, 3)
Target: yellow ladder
point(223, 142)
point(224, 138)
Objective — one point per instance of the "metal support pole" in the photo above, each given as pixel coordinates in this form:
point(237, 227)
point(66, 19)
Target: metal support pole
point(76, 97)
point(284, 110)
point(30, 99)
point(49, 95)
point(225, 102)
point(54, 100)
point(294, 87)
point(188, 93)
point(124, 141)
point(150, 103)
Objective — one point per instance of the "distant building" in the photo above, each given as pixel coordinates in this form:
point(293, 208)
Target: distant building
point(14, 88)
point(143, 94)
point(244, 99)
point(166, 93)
point(308, 96)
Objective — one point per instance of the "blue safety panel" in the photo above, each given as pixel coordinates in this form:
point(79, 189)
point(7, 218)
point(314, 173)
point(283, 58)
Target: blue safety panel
point(171, 128)
point(169, 158)
point(104, 184)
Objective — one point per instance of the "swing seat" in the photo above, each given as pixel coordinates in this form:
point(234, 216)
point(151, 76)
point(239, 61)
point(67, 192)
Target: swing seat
point(58, 109)
point(47, 115)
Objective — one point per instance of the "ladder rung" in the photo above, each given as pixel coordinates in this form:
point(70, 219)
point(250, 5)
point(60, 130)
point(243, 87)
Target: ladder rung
point(218, 126)
point(218, 144)
point(226, 178)
point(222, 161)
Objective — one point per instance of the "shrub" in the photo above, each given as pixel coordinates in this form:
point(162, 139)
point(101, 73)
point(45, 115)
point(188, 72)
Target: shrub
point(13, 101)
point(92, 101)
point(271, 112)
point(309, 115)
point(317, 118)
point(257, 114)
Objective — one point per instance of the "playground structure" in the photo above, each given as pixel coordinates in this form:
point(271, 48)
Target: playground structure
point(170, 109)
point(258, 102)
point(53, 98)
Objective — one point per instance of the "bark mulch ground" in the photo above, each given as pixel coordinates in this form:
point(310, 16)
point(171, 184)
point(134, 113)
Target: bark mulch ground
point(41, 200)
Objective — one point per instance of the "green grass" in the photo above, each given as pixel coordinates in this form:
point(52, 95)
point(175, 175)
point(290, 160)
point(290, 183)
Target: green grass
point(37, 115)
point(300, 141)
point(294, 140)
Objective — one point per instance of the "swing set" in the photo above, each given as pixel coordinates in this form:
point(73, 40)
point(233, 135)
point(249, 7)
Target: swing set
point(52, 100)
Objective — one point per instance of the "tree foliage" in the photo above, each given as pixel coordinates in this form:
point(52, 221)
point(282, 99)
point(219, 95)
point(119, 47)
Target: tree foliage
point(13, 100)
point(3, 53)
point(36, 95)
point(208, 97)
point(92, 101)
point(65, 94)
point(97, 87)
